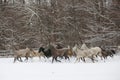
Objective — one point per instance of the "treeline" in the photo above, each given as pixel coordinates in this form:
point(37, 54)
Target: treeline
point(35, 22)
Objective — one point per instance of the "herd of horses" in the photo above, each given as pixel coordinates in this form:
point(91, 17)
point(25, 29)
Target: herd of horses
point(54, 51)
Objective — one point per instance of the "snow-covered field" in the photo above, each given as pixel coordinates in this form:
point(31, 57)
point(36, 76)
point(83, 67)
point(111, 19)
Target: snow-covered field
point(66, 70)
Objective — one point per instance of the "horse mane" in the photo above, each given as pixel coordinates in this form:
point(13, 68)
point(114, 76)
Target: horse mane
point(46, 51)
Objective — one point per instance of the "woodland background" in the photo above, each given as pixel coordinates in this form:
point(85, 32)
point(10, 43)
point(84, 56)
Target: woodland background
point(34, 22)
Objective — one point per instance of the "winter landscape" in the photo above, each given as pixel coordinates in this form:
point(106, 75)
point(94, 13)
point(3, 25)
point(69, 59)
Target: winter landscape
point(66, 70)
point(59, 39)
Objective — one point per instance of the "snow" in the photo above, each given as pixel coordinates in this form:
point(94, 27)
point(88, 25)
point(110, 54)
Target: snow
point(36, 69)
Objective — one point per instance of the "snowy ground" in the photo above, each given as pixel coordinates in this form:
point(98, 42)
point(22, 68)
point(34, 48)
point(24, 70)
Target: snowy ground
point(66, 70)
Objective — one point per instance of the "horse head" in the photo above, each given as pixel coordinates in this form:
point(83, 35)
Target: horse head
point(41, 49)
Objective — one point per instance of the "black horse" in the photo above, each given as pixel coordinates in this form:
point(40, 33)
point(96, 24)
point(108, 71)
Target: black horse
point(47, 52)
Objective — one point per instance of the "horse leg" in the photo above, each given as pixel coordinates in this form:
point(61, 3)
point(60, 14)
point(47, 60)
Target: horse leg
point(20, 59)
point(81, 58)
point(105, 57)
point(57, 60)
point(84, 59)
point(66, 57)
point(101, 57)
point(45, 58)
point(92, 59)
point(26, 58)
point(53, 59)
point(76, 60)
point(96, 55)
point(39, 57)
point(15, 59)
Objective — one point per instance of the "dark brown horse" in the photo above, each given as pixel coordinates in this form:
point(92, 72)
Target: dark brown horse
point(107, 52)
point(57, 52)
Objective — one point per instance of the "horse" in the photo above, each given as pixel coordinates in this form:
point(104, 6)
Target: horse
point(37, 54)
point(21, 53)
point(96, 50)
point(69, 53)
point(83, 47)
point(82, 54)
point(46, 52)
point(87, 53)
point(107, 52)
point(57, 52)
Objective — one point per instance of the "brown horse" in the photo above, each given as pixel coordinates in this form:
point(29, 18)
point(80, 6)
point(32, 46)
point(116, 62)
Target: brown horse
point(57, 52)
point(69, 53)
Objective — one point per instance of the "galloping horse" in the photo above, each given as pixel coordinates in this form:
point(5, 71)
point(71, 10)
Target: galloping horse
point(37, 54)
point(87, 53)
point(57, 52)
point(69, 53)
point(22, 53)
point(108, 52)
point(82, 54)
point(47, 52)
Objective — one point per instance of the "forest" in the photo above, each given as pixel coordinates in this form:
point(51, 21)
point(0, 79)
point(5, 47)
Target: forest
point(31, 23)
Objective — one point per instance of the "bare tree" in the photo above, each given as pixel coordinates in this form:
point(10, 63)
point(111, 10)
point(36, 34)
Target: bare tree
point(0, 1)
point(95, 22)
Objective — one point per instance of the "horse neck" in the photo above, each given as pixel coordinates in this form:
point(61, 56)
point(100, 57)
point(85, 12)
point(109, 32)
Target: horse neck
point(41, 49)
point(44, 51)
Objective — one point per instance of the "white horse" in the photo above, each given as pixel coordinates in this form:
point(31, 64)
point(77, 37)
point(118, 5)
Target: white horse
point(21, 53)
point(85, 52)
point(82, 54)
point(97, 51)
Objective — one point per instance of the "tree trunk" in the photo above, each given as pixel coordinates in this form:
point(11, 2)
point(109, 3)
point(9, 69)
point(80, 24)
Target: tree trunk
point(38, 1)
point(0, 1)
point(5, 1)
point(13, 2)
point(23, 1)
